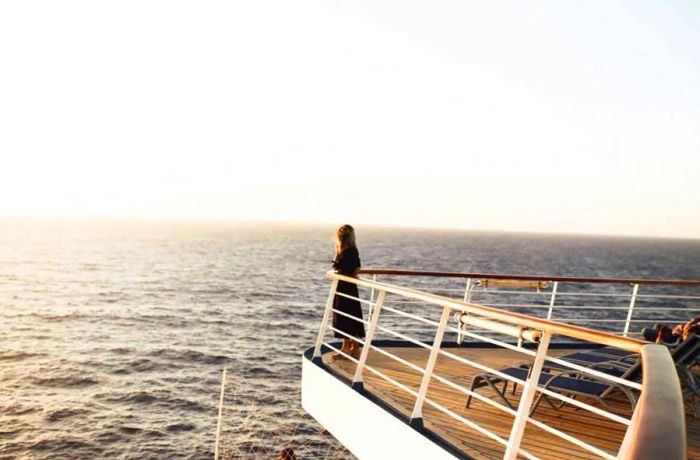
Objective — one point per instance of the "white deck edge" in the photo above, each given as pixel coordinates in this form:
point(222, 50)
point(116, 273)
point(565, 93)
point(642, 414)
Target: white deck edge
point(364, 428)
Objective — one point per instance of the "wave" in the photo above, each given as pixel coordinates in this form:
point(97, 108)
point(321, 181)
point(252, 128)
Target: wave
point(17, 355)
point(56, 445)
point(179, 427)
point(65, 382)
point(51, 318)
point(258, 371)
point(130, 429)
point(215, 291)
point(192, 356)
point(140, 365)
point(16, 409)
point(121, 350)
point(7, 433)
point(63, 413)
point(158, 399)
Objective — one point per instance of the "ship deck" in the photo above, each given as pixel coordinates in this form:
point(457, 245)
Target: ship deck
point(591, 428)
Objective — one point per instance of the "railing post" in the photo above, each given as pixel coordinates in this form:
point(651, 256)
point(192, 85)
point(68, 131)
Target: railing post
point(371, 297)
point(633, 300)
point(467, 298)
point(357, 379)
point(528, 394)
point(468, 291)
point(221, 414)
point(417, 414)
point(324, 322)
point(551, 301)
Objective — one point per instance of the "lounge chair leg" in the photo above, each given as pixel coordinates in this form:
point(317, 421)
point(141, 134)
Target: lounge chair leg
point(475, 380)
point(691, 382)
point(537, 403)
point(692, 403)
point(515, 387)
point(502, 395)
point(553, 405)
point(486, 379)
point(560, 404)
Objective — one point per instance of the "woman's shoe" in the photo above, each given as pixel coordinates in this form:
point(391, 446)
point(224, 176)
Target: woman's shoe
point(337, 356)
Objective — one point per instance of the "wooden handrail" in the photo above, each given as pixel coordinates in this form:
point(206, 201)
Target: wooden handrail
point(658, 424)
point(568, 330)
point(384, 271)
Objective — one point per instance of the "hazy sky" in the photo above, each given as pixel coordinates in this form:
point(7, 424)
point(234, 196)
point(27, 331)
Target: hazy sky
point(558, 116)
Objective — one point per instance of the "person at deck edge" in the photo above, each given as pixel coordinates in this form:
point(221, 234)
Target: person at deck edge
point(347, 262)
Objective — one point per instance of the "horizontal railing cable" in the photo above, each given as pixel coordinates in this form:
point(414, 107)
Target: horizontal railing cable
point(342, 353)
point(351, 337)
point(392, 381)
point(499, 276)
point(571, 439)
point(412, 316)
point(398, 359)
point(402, 336)
point(482, 367)
point(585, 406)
point(368, 302)
point(492, 341)
point(354, 318)
point(548, 292)
point(473, 394)
point(595, 373)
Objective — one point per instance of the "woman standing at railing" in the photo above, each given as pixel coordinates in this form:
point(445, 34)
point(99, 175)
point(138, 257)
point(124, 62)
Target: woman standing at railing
point(347, 262)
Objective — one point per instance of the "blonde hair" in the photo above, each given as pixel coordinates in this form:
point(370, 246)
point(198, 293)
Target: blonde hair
point(344, 238)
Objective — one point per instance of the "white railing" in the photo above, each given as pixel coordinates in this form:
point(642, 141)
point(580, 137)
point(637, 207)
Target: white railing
point(491, 321)
point(628, 305)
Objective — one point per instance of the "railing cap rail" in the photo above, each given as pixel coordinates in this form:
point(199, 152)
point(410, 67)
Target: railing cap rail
point(568, 330)
point(657, 429)
point(496, 276)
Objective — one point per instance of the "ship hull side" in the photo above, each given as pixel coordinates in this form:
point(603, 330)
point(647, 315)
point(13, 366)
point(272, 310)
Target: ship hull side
point(366, 429)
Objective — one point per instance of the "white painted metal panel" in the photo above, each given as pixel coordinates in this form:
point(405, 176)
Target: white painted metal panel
point(364, 428)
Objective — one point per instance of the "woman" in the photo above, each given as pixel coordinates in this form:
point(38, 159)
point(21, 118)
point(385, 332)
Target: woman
point(347, 262)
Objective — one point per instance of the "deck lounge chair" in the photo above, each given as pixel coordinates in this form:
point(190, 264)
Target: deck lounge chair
point(625, 365)
point(686, 360)
point(565, 382)
point(576, 383)
point(611, 357)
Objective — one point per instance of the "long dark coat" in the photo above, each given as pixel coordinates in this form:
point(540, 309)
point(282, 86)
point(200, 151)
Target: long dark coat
point(346, 263)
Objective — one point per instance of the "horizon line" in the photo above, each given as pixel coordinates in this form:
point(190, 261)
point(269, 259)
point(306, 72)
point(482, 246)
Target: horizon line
point(242, 221)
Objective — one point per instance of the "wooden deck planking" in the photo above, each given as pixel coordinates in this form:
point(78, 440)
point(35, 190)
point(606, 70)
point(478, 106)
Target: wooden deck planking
point(593, 429)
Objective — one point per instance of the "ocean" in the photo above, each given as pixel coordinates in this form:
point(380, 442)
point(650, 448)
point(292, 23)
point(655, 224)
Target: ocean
point(113, 335)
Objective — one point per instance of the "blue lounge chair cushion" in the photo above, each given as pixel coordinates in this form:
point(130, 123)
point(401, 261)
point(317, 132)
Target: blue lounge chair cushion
point(614, 352)
point(615, 372)
point(562, 383)
point(588, 357)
